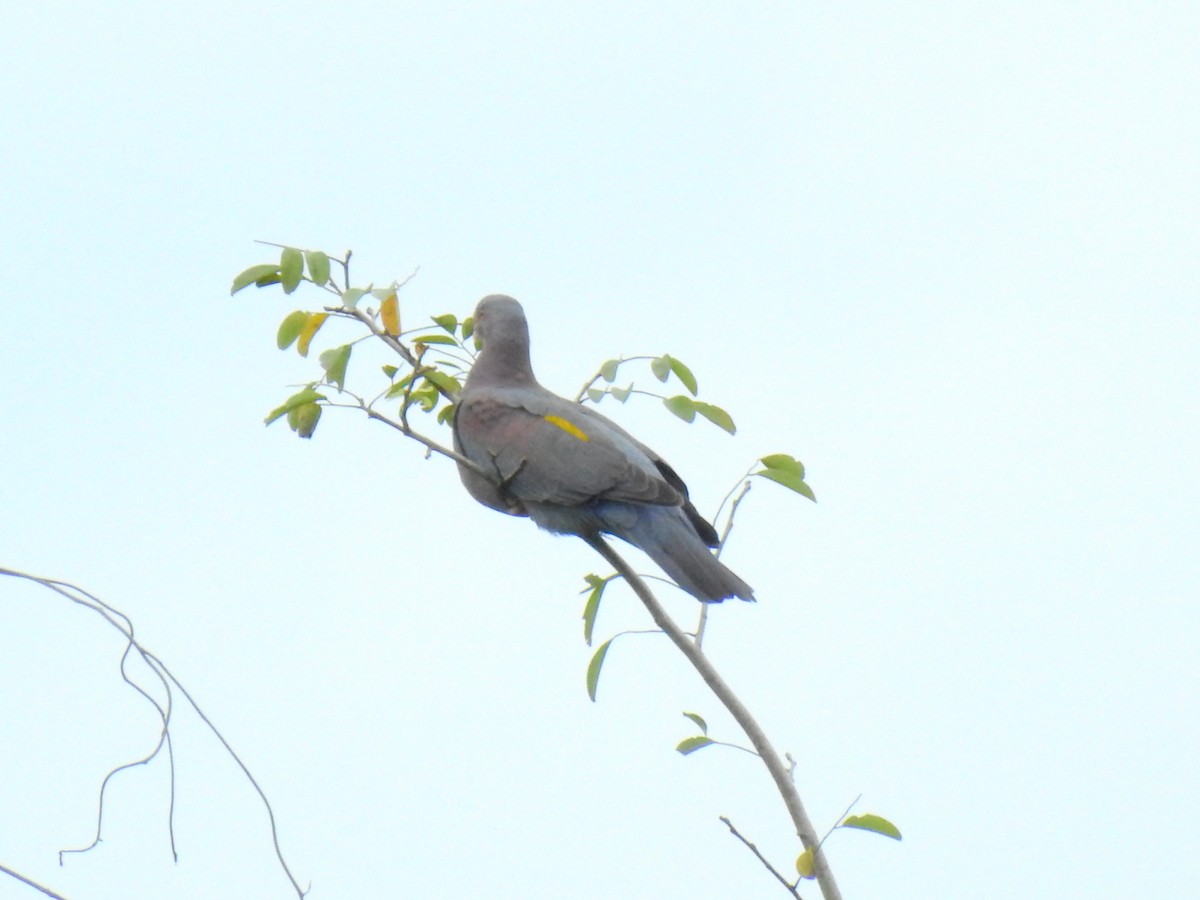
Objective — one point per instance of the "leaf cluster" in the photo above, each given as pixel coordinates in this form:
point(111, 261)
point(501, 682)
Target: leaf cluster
point(685, 406)
point(434, 357)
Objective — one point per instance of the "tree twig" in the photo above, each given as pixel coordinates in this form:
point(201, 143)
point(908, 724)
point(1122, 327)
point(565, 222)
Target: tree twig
point(703, 623)
point(762, 859)
point(122, 623)
point(33, 884)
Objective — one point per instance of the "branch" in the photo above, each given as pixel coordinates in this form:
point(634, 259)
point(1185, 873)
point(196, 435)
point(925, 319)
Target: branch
point(428, 443)
point(703, 623)
point(392, 341)
point(120, 621)
point(33, 884)
point(762, 859)
point(779, 772)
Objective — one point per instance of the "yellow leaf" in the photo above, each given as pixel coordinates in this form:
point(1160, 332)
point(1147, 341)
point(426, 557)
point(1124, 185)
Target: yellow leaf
point(804, 864)
point(389, 311)
point(311, 327)
point(567, 427)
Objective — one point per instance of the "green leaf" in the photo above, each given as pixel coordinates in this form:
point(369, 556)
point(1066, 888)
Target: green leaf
point(684, 374)
point(593, 670)
point(447, 321)
point(871, 822)
point(684, 407)
point(426, 396)
point(596, 585)
point(390, 372)
point(303, 419)
point(595, 394)
point(621, 394)
point(254, 275)
point(468, 327)
point(692, 744)
point(351, 296)
point(716, 415)
point(789, 480)
point(435, 339)
point(805, 865)
point(334, 362)
point(446, 413)
point(308, 395)
point(783, 461)
point(608, 371)
point(446, 382)
point(398, 387)
point(290, 328)
point(661, 367)
point(699, 721)
point(318, 267)
point(291, 268)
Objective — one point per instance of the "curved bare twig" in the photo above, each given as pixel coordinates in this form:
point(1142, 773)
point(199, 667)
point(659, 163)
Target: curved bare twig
point(121, 622)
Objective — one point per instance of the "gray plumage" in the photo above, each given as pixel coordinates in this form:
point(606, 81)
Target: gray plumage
point(569, 468)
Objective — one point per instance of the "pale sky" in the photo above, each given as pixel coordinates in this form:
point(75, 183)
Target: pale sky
point(945, 255)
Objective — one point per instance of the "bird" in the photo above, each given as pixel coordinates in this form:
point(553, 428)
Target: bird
point(571, 469)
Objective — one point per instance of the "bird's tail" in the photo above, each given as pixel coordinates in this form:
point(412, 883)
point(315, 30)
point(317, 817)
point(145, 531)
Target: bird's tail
point(670, 540)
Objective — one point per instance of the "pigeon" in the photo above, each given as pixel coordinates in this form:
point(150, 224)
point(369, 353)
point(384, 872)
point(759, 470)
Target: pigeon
point(569, 468)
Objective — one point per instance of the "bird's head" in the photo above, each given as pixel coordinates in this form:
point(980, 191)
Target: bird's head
point(501, 329)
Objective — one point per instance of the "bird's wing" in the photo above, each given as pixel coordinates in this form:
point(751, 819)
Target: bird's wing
point(545, 449)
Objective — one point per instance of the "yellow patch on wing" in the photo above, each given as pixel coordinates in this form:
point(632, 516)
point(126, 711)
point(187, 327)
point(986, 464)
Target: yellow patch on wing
point(567, 427)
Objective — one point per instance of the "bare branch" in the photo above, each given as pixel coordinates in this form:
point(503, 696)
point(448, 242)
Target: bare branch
point(122, 623)
point(737, 501)
point(700, 626)
point(33, 884)
point(762, 859)
point(840, 818)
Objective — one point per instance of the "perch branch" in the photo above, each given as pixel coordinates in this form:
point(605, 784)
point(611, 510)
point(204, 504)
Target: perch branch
point(775, 766)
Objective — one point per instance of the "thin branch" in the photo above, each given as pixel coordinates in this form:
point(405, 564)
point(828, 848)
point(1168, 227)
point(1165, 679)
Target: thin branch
point(429, 443)
point(703, 623)
point(122, 623)
point(241, 765)
point(599, 375)
point(407, 430)
point(733, 490)
point(33, 884)
point(100, 805)
point(587, 385)
point(770, 868)
point(737, 501)
point(771, 759)
point(393, 342)
point(841, 818)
